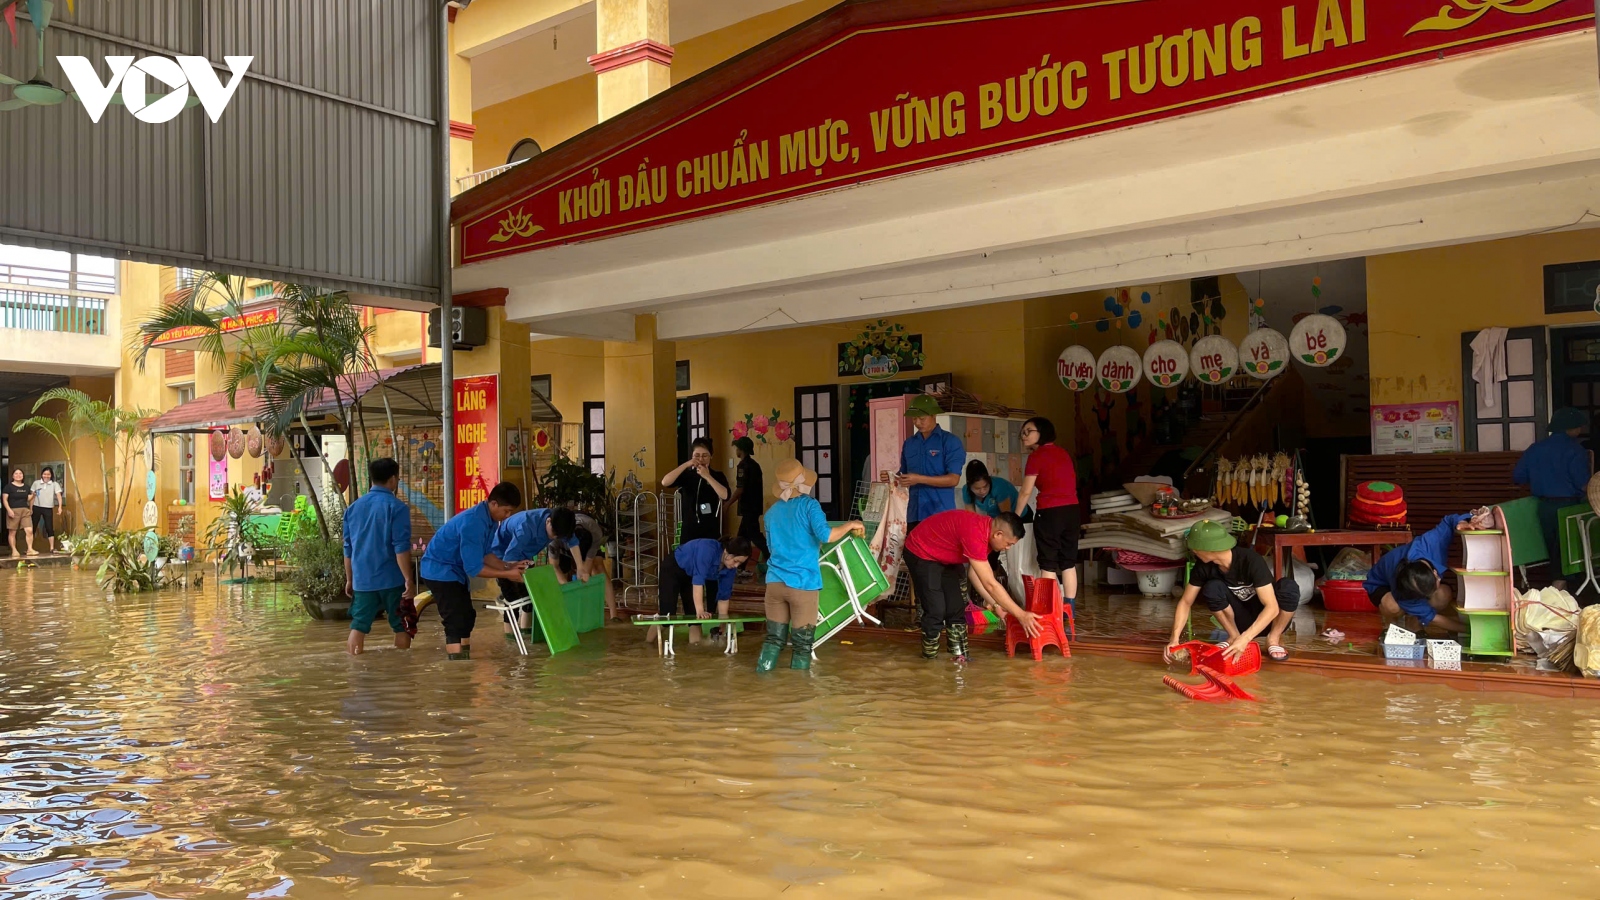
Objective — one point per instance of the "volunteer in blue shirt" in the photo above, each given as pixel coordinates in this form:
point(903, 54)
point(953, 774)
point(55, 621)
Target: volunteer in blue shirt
point(520, 538)
point(796, 531)
point(686, 571)
point(1556, 470)
point(458, 553)
point(1405, 582)
point(377, 557)
point(988, 494)
point(930, 463)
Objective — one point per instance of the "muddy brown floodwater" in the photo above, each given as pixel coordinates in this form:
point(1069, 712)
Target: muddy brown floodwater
point(216, 744)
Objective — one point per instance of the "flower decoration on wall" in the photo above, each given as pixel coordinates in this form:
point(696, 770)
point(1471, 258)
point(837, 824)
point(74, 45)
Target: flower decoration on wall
point(764, 428)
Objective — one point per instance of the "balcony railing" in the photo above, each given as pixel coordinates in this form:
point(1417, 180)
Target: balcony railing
point(467, 182)
point(39, 311)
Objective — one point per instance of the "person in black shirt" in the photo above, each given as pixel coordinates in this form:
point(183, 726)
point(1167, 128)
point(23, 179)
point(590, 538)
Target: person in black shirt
point(701, 492)
point(1236, 585)
point(747, 496)
point(18, 513)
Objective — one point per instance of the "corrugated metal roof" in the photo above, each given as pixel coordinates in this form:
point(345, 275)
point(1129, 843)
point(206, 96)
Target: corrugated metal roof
point(324, 169)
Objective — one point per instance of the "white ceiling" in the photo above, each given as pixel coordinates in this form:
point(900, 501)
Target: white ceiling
point(561, 50)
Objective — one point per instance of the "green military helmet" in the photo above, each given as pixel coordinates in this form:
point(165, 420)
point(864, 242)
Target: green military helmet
point(1210, 537)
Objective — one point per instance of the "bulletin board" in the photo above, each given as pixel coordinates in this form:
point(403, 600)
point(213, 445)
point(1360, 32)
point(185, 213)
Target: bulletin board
point(1416, 427)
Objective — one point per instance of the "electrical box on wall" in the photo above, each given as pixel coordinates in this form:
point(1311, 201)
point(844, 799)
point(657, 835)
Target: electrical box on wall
point(469, 327)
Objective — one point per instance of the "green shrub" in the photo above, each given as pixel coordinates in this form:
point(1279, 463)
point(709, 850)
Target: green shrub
point(124, 568)
point(318, 567)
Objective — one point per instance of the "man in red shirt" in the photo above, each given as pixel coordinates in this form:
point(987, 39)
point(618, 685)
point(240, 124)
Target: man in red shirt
point(935, 553)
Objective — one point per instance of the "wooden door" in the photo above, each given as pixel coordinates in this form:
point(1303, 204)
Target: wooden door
point(817, 442)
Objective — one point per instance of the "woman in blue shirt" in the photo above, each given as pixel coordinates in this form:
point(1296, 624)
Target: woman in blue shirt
point(796, 530)
point(986, 494)
point(687, 571)
point(1556, 470)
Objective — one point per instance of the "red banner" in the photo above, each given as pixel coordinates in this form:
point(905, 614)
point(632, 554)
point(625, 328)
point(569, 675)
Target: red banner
point(477, 438)
point(228, 325)
point(884, 100)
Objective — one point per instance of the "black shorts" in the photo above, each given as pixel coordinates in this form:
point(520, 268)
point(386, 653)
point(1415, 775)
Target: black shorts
point(1055, 538)
point(456, 611)
point(1217, 597)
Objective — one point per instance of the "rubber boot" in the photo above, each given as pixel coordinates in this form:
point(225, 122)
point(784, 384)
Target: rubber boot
point(804, 638)
point(930, 646)
point(958, 642)
point(777, 636)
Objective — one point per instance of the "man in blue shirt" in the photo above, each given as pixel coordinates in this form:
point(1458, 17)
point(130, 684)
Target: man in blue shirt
point(685, 572)
point(524, 536)
point(1405, 582)
point(1556, 470)
point(377, 557)
point(460, 552)
point(930, 463)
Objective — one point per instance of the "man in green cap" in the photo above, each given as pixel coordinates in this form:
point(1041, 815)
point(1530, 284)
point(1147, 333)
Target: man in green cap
point(1556, 470)
point(1236, 584)
point(930, 463)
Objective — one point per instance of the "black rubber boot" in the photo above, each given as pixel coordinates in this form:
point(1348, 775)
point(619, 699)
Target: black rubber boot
point(803, 638)
point(958, 642)
point(777, 636)
point(930, 646)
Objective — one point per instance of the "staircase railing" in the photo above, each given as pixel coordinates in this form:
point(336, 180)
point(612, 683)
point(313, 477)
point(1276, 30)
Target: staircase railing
point(1239, 418)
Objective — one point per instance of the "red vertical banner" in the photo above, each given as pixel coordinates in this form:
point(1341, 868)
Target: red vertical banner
point(477, 438)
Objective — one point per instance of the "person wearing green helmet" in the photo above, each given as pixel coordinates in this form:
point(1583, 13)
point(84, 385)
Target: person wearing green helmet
point(1236, 584)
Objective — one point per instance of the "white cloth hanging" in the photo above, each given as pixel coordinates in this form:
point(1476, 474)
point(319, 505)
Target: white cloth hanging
point(1489, 364)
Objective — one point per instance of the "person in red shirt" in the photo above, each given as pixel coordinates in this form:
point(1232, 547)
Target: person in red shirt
point(1055, 524)
point(935, 553)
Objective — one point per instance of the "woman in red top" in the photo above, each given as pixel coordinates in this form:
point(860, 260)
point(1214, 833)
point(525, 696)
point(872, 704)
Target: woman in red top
point(1055, 523)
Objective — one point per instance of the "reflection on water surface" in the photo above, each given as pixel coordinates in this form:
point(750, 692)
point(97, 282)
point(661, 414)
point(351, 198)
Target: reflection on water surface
point(223, 745)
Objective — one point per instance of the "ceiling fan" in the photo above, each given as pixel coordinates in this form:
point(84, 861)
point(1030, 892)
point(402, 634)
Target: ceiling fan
point(37, 91)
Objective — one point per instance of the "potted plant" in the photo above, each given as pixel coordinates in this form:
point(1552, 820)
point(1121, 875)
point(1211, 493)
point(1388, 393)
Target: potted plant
point(317, 572)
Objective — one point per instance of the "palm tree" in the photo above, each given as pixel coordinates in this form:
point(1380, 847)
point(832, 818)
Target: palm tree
point(118, 433)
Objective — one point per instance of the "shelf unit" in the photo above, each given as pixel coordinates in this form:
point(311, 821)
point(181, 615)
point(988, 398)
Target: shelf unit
point(641, 522)
point(1488, 600)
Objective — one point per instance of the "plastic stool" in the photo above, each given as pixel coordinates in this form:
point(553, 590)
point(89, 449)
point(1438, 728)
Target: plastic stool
point(1043, 600)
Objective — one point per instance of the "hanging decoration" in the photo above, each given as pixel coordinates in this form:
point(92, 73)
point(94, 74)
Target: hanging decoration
point(1264, 354)
point(1214, 359)
point(252, 444)
point(275, 446)
point(764, 429)
point(883, 350)
point(236, 443)
point(218, 445)
point(1119, 368)
point(1075, 367)
point(1317, 340)
point(1166, 363)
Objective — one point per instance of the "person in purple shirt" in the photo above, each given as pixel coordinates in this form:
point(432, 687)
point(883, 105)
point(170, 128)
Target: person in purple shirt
point(458, 553)
point(1405, 582)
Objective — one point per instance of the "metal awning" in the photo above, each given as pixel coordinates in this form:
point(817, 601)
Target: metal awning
point(412, 394)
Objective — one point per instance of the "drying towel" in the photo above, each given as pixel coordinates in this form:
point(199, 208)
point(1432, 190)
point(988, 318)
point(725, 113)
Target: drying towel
point(1489, 364)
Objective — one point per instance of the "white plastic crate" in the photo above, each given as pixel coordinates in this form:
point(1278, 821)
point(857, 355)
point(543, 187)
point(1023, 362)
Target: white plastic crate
point(1444, 652)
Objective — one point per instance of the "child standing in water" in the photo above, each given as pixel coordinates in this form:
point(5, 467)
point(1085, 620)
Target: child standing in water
point(796, 531)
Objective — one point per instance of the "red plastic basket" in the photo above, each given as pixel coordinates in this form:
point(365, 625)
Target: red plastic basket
point(1346, 596)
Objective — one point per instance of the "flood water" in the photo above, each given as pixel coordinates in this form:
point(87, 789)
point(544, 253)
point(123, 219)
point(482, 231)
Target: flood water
point(211, 744)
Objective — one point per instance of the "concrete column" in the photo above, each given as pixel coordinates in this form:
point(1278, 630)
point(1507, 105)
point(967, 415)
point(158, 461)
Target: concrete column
point(634, 57)
point(641, 404)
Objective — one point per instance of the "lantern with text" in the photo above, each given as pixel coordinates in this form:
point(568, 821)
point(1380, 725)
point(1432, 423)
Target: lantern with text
point(1166, 363)
point(1317, 340)
point(1118, 369)
point(1075, 367)
point(1214, 359)
point(1264, 353)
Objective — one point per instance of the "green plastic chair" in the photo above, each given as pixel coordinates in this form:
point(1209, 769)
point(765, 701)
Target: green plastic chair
point(1527, 539)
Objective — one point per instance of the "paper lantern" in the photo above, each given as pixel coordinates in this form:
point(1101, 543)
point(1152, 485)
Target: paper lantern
point(218, 445)
point(275, 446)
point(1166, 363)
point(236, 443)
point(1075, 367)
point(1213, 360)
point(1264, 353)
point(1317, 340)
point(1118, 369)
point(152, 515)
point(252, 444)
point(150, 484)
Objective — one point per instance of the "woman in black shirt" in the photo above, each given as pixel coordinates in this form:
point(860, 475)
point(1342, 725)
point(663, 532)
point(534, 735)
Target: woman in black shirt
point(701, 492)
point(18, 513)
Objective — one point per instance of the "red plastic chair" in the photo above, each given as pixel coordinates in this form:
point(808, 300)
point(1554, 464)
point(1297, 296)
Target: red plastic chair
point(1044, 600)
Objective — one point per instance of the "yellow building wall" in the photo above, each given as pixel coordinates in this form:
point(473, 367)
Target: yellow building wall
point(549, 115)
point(1419, 303)
point(698, 54)
point(577, 370)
